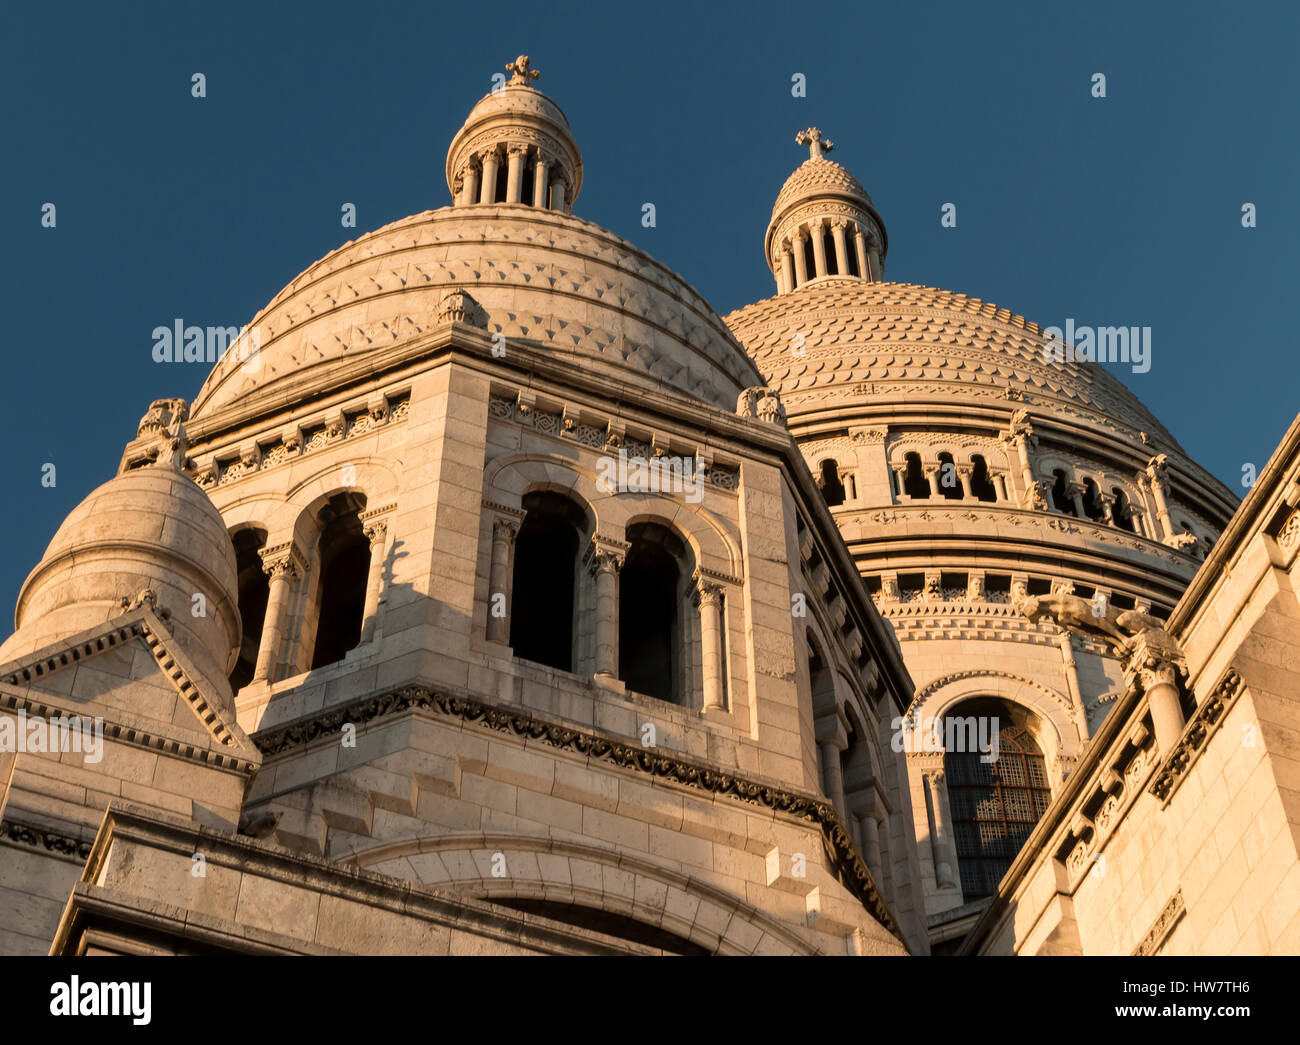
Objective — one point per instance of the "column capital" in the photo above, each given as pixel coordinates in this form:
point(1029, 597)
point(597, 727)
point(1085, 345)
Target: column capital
point(505, 530)
point(376, 531)
point(707, 592)
point(283, 560)
point(605, 558)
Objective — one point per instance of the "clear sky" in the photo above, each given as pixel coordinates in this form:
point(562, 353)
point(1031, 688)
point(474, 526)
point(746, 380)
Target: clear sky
point(1117, 211)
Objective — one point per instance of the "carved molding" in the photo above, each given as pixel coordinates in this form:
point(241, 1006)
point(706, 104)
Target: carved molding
point(63, 845)
point(846, 862)
point(1164, 925)
point(1196, 736)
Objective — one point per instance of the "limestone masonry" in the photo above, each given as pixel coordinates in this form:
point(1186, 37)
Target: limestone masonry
point(508, 599)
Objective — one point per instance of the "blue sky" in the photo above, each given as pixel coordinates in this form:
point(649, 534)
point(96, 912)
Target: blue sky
point(1117, 211)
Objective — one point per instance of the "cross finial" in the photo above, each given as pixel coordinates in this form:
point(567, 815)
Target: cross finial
point(523, 71)
point(817, 145)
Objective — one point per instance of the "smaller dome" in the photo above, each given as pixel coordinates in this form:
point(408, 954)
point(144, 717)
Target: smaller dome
point(150, 535)
point(824, 225)
point(515, 147)
point(817, 177)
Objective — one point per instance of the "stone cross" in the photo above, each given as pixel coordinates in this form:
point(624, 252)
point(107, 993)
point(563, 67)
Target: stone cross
point(817, 145)
point(523, 72)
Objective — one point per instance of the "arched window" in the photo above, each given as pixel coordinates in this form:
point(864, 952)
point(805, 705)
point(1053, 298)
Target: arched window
point(810, 259)
point(981, 485)
point(1122, 512)
point(1061, 499)
point(254, 590)
point(828, 246)
point(545, 568)
point(650, 632)
point(915, 484)
point(829, 481)
point(995, 806)
point(949, 480)
point(343, 561)
point(1092, 505)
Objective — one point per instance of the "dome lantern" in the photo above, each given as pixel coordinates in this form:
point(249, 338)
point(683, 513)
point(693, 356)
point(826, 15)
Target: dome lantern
point(823, 223)
point(515, 147)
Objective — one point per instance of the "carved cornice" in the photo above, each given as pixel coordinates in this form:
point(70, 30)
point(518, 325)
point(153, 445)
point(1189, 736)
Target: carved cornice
point(66, 846)
point(1164, 925)
point(1196, 736)
point(847, 863)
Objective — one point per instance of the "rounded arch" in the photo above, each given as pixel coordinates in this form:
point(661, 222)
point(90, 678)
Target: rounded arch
point(575, 873)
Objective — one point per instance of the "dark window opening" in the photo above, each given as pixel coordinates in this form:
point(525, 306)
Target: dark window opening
point(527, 181)
point(1122, 512)
point(649, 617)
point(1061, 499)
point(915, 484)
point(546, 555)
point(503, 179)
point(832, 488)
point(344, 557)
point(852, 255)
point(828, 248)
point(981, 486)
point(809, 256)
point(254, 590)
point(1092, 506)
point(949, 480)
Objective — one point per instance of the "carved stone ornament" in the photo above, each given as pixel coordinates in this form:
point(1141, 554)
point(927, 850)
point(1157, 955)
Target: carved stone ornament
point(523, 71)
point(459, 307)
point(164, 415)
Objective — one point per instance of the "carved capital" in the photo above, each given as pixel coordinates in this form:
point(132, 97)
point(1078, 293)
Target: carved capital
point(376, 532)
point(505, 530)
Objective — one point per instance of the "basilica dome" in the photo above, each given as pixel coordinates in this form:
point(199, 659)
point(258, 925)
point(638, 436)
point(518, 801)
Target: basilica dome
point(545, 278)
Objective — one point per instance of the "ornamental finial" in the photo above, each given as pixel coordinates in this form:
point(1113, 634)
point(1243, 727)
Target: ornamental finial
point(817, 145)
point(524, 73)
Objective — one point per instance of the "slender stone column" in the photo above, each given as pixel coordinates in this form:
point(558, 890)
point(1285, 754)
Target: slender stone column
point(709, 599)
point(832, 773)
point(283, 569)
point(515, 174)
point(557, 193)
point(860, 245)
point(539, 183)
point(1156, 662)
point(841, 248)
point(1074, 490)
point(819, 247)
point(800, 258)
point(504, 532)
point(877, 266)
point(469, 191)
point(787, 267)
point(376, 532)
point(964, 475)
point(869, 828)
point(1155, 476)
point(490, 163)
point(944, 872)
point(604, 565)
point(1000, 485)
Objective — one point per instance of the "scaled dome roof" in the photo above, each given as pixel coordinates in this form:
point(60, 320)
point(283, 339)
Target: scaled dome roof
point(544, 277)
point(817, 177)
point(922, 342)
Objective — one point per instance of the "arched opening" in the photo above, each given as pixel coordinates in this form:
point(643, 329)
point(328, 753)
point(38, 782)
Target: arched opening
point(949, 480)
point(343, 558)
point(1061, 499)
point(829, 481)
point(828, 247)
point(650, 613)
point(527, 181)
point(545, 568)
point(809, 255)
point(1092, 505)
point(254, 590)
point(915, 484)
point(503, 180)
point(981, 485)
point(852, 252)
point(996, 801)
point(1121, 511)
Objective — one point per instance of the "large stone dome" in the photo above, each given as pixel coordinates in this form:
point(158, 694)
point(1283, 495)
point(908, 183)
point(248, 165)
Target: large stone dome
point(912, 343)
point(544, 277)
point(147, 530)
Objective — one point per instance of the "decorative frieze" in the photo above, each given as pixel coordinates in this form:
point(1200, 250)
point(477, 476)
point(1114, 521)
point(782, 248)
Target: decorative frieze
point(1196, 736)
point(60, 844)
point(1163, 927)
point(298, 442)
point(845, 860)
